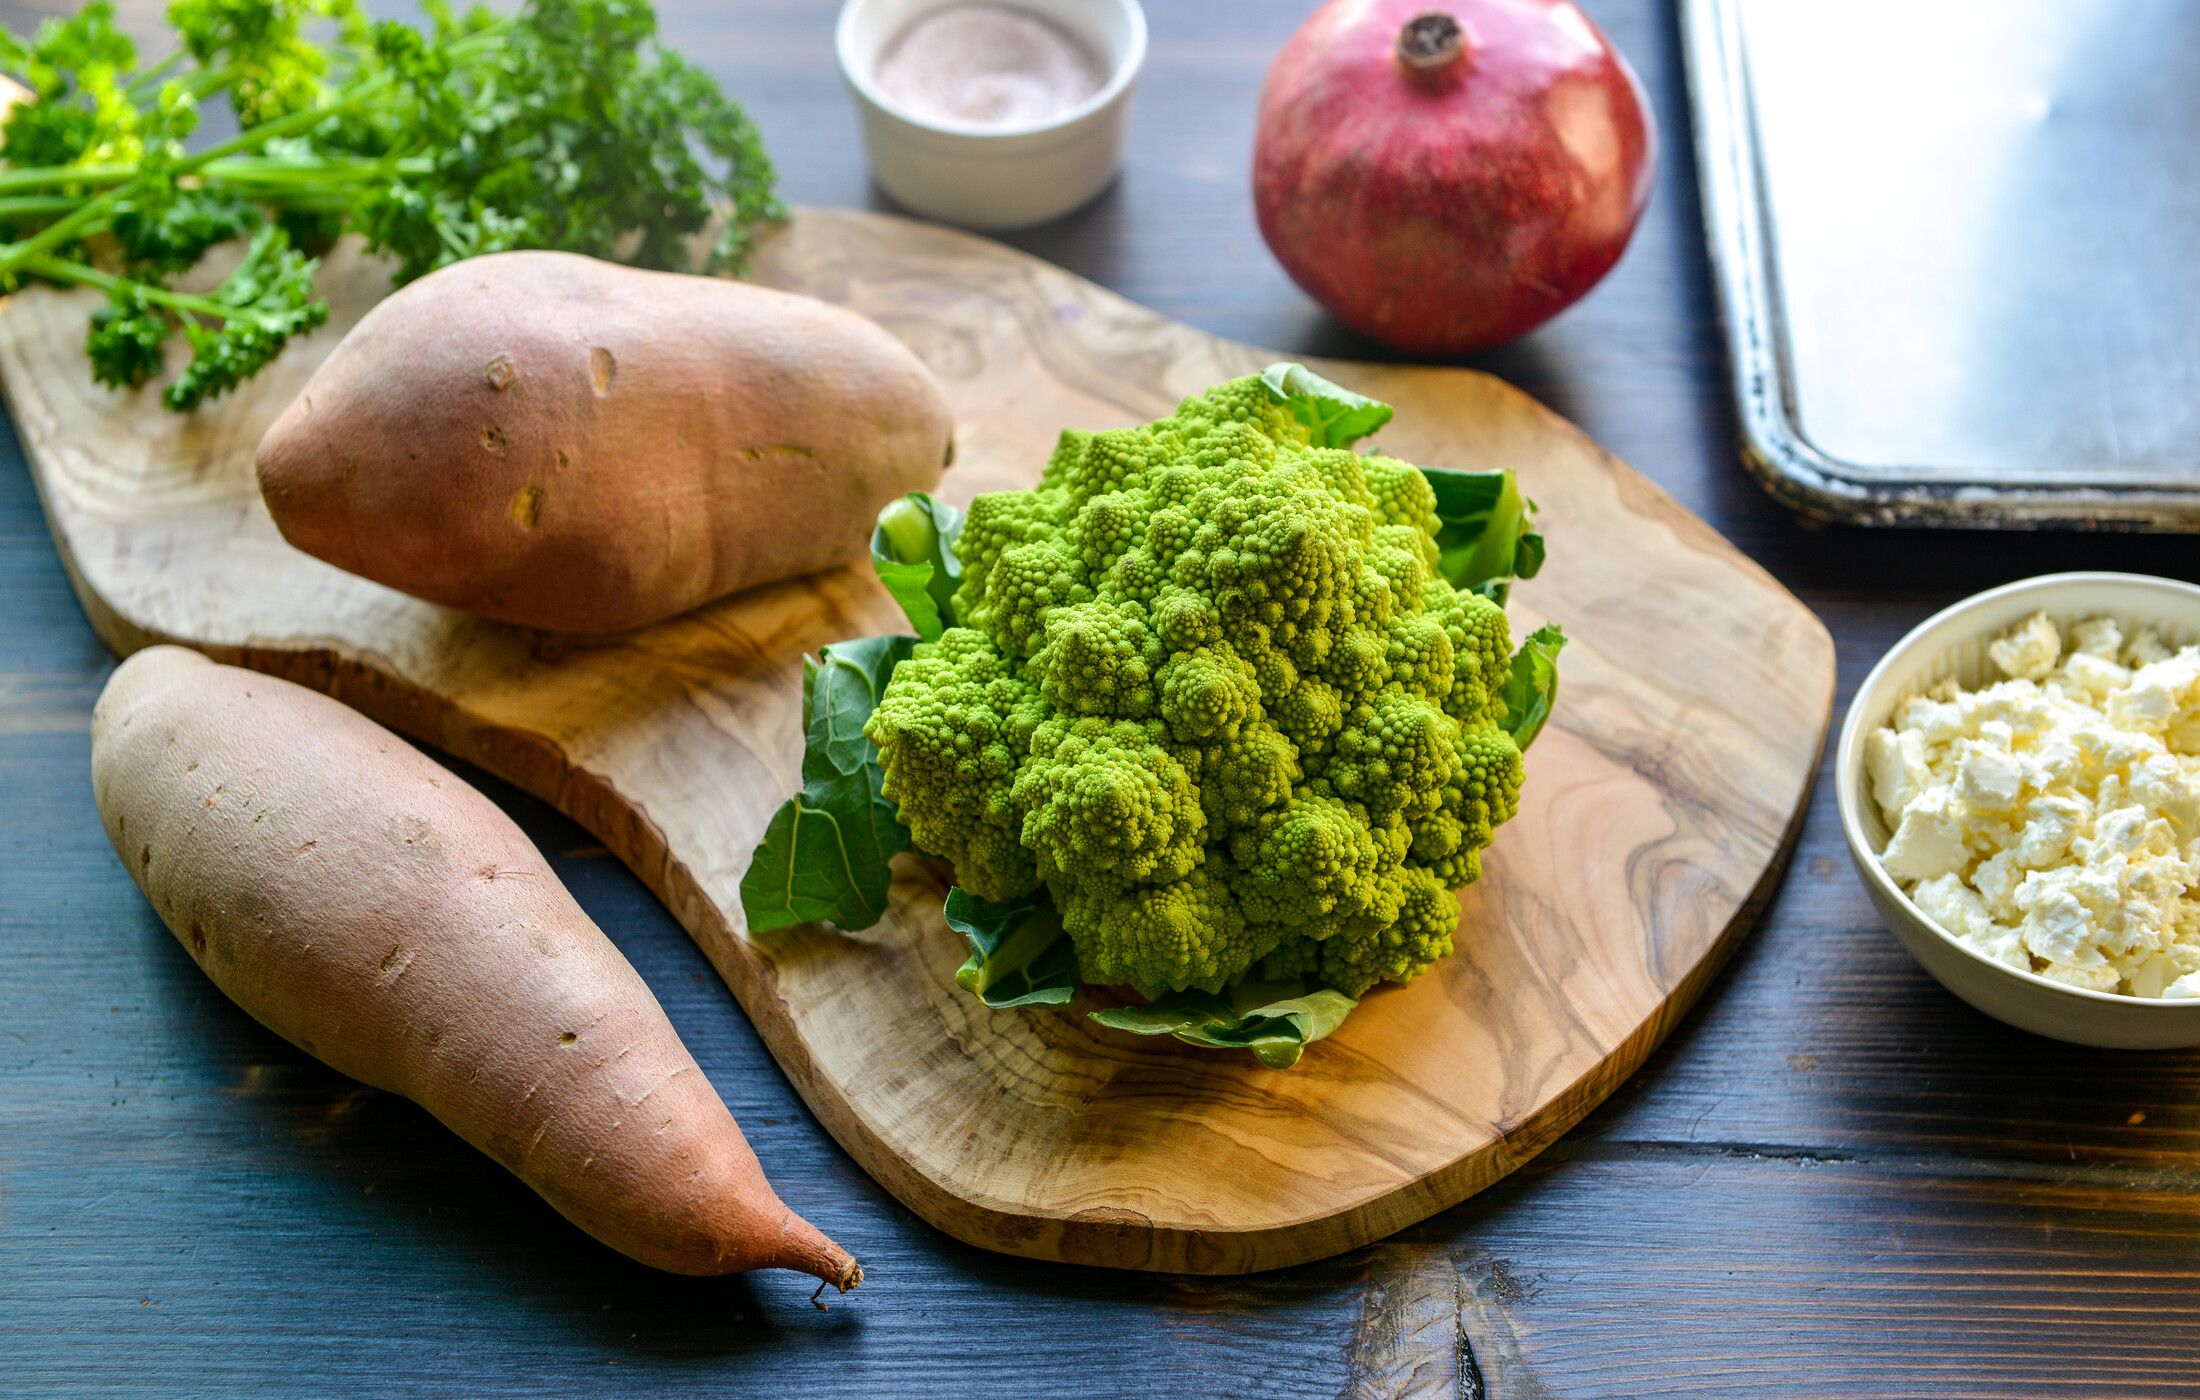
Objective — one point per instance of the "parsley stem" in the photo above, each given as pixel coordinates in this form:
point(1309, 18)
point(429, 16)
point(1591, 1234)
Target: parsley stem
point(90, 215)
point(62, 230)
point(252, 138)
point(37, 204)
point(66, 272)
point(33, 177)
point(282, 174)
point(153, 74)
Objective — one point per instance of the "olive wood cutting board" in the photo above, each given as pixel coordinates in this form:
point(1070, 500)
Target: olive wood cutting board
point(1659, 807)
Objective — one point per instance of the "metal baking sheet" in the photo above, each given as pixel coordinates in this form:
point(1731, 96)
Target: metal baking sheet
point(1958, 249)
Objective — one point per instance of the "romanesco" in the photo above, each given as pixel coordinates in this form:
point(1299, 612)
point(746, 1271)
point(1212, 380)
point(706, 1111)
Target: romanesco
point(1211, 689)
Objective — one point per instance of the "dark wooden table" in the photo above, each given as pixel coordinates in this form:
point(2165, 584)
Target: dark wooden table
point(1834, 1178)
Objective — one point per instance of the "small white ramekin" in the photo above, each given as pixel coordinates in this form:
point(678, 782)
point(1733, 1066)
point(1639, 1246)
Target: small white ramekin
point(995, 179)
point(1953, 643)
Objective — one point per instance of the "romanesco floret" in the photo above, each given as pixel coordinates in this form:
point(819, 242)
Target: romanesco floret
point(1186, 933)
point(950, 742)
point(1213, 694)
point(1105, 799)
point(1402, 495)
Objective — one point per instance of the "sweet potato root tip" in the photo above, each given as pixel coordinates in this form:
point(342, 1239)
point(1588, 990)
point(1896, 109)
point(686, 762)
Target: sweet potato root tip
point(806, 1248)
point(849, 1278)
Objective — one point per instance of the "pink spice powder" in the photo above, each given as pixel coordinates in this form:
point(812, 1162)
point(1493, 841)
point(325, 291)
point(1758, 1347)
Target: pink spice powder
point(986, 66)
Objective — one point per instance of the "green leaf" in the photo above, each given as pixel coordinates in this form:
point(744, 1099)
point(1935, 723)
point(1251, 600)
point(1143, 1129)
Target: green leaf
point(1334, 416)
point(910, 585)
point(1018, 953)
point(828, 851)
point(125, 339)
point(826, 857)
point(1274, 1020)
point(1485, 533)
point(1528, 554)
point(913, 550)
point(1531, 687)
point(840, 688)
point(168, 229)
point(266, 302)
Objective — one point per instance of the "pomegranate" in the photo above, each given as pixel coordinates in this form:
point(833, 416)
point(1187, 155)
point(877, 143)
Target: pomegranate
point(1449, 175)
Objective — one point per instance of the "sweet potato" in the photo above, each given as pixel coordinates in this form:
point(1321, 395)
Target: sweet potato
point(372, 909)
point(551, 440)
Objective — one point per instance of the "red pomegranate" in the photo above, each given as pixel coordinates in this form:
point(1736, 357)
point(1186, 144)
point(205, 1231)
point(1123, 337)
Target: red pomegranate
point(1451, 174)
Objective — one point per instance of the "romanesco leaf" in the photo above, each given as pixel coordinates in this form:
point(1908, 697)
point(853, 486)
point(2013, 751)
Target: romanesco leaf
point(1019, 955)
point(913, 551)
point(827, 853)
point(1274, 1020)
point(1485, 535)
point(824, 857)
point(1531, 686)
point(1334, 416)
point(840, 688)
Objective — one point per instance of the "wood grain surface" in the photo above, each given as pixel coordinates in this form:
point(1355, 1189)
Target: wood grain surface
point(1660, 803)
point(1832, 1179)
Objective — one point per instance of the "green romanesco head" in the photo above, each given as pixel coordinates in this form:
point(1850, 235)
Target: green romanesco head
point(1211, 692)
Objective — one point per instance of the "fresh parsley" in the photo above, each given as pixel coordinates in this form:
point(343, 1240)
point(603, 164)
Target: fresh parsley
point(565, 125)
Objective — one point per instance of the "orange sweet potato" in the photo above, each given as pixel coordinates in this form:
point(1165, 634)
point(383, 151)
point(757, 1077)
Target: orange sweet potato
point(547, 439)
point(372, 909)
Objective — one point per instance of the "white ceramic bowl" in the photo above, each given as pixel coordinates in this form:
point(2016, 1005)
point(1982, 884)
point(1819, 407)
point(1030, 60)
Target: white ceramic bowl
point(995, 179)
point(1953, 643)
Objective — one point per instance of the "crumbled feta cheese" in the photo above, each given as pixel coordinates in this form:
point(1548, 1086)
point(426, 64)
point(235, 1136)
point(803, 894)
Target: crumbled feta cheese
point(2116, 833)
point(2050, 823)
point(2146, 645)
point(1953, 905)
point(2153, 976)
point(2184, 737)
point(1996, 880)
point(1935, 721)
point(2051, 820)
point(2161, 693)
point(1990, 779)
point(1929, 840)
point(2096, 636)
point(2030, 651)
point(1895, 763)
point(2011, 706)
point(2058, 927)
point(2095, 675)
point(2160, 783)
